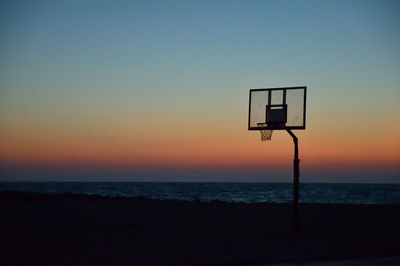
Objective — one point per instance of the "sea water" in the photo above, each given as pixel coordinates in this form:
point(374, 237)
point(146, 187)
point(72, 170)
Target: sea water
point(228, 192)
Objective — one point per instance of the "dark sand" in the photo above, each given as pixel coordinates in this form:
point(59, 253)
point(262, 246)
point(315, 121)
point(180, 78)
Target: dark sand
point(83, 230)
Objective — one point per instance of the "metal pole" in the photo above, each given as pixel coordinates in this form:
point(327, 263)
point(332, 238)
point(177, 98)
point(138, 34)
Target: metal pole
point(296, 184)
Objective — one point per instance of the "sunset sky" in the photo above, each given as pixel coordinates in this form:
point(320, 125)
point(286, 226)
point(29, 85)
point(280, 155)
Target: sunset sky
point(158, 90)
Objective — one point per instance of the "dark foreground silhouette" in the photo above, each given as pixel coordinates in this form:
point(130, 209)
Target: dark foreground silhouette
point(37, 229)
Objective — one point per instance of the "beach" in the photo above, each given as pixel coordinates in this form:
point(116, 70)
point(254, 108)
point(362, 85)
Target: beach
point(67, 229)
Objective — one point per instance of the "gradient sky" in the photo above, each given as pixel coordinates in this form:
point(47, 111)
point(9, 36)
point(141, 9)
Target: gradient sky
point(158, 90)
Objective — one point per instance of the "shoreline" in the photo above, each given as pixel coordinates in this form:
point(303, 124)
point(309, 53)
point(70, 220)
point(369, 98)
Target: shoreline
point(73, 229)
point(29, 195)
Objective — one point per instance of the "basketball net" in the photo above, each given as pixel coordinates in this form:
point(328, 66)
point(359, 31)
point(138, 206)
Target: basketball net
point(266, 134)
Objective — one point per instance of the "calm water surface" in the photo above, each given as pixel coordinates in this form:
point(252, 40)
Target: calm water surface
point(229, 192)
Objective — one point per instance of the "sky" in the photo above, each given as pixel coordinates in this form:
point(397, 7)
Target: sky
point(102, 90)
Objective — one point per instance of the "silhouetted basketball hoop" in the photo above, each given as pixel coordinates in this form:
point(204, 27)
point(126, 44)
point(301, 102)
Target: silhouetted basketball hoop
point(266, 134)
point(280, 109)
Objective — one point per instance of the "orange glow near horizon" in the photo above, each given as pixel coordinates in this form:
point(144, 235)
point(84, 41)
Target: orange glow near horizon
point(222, 147)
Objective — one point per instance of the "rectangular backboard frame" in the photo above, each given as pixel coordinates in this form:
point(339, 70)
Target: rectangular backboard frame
point(255, 124)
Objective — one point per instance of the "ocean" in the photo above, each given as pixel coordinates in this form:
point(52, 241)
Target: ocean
point(228, 192)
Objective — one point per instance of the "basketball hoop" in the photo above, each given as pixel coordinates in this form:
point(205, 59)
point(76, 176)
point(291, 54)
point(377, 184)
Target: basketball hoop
point(266, 134)
point(281, 109)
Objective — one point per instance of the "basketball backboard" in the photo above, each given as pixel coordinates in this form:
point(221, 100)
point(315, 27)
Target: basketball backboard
point(277, 108)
